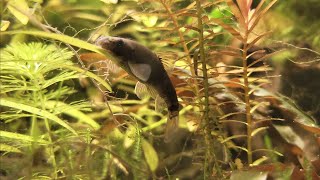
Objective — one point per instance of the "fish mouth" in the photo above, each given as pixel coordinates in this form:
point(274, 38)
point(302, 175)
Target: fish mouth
point(103, 41)
point(108, 43)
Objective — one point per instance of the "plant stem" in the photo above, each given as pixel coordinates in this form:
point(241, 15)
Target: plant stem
point(247, 98)
point(184, 45)
point(210, 154)
point(204, 63)
point(47, 125)
point(51, 149)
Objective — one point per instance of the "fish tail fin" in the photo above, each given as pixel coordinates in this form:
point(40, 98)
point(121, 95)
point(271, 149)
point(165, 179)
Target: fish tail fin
point(172, 127)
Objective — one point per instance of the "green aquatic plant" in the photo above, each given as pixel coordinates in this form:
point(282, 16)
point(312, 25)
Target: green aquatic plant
point(36, 85)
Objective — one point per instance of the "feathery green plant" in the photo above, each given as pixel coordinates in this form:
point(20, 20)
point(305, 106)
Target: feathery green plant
point(35, 86)
point(39, 85)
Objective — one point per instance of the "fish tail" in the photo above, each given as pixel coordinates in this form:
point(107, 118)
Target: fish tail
point(172, 127)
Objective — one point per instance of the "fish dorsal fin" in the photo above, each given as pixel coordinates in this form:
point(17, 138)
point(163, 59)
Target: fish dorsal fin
point(141, 90)
point(159, 104)
point(140, 70)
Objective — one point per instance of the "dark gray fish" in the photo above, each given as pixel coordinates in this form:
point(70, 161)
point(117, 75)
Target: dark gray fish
point(146, 67)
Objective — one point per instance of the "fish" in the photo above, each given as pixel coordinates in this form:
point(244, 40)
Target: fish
point(145, 66)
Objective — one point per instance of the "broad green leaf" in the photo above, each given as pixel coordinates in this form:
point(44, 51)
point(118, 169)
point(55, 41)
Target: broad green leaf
point(18, 8)
point(4, 25)
point(150, 154)
point(129, 136)
point(21, 137)
point(33, 110)
point(217, 13)
point(8, 148)
point(149, 21)
point(110, 1)
point(252, 175)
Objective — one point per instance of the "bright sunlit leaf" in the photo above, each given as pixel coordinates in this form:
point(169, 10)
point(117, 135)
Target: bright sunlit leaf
point(260, 161)
point(252, 175)
point(149, 21)
point(4, 25)
point(73, 112)
point(21, 137)
point(129, 137)
point(150, 154)
point(37, 111)
point(8, 148)
point(18, 8)
point(110, 1)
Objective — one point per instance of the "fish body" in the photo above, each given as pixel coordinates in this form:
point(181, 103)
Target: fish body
point(141, 63)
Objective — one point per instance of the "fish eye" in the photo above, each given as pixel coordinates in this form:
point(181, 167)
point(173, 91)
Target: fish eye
point(120, 44)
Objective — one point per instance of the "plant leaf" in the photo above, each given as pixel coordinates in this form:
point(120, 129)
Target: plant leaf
point(17, 7)
point(129, 136)
point(256, 131)
point(254, 41)
point(260, 15)
point(236, 12)
point(66, 39)
point(229, 29)
point(300, 117)
point(259, 161)
point(33, 110)
point(8, 148)
point(151, 155)
point(73, 112)
point(91, 75)
point(252, 175)
point(268, 150)
point(22, 137)
point(4, 25)
point(288, 134)
point(233, 137)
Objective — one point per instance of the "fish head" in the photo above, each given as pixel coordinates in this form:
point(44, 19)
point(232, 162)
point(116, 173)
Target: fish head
point(118, 46)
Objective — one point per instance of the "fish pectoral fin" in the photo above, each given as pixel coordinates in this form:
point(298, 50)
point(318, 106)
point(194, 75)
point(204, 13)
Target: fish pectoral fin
point(141, 71)
point(171, 128)
point(141, 90)
point(159, 104)
point(153, 92)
